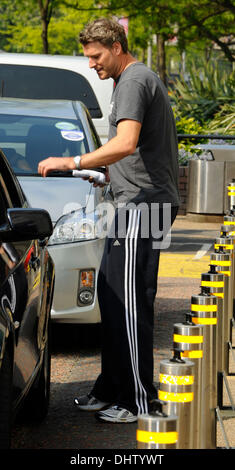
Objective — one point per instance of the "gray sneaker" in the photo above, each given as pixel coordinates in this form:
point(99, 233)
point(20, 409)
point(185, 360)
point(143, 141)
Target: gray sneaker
point(89, 403)
point(116, 414)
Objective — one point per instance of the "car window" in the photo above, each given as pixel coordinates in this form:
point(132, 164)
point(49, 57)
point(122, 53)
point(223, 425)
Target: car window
point(34, 82)
point(26, 140)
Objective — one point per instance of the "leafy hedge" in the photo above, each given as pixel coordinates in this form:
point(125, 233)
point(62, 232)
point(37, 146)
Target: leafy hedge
point(203, 103)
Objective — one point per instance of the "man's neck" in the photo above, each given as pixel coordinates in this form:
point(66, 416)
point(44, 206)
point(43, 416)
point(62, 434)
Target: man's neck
point(126, 61)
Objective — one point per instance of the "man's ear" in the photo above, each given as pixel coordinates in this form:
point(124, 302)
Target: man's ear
point(117, 48)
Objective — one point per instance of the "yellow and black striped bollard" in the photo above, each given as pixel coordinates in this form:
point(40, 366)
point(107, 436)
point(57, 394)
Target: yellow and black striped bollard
point(204, 308)
point(231, 195)
point(227, 242)
point(176, 388)
point(230, 221)
point(222, 262)
point(188, 337)
point(214, 282)
point(157, 430)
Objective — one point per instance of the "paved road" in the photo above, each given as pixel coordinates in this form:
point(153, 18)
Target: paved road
point(76, 351)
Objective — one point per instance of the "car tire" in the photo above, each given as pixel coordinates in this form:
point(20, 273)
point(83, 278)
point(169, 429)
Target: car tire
point(35, 407)
point(5, 401)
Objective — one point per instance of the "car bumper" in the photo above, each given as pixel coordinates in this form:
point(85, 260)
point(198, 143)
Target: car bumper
point(69, 260)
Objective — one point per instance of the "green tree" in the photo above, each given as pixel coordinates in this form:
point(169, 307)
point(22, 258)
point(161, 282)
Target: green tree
point(40, 26)
point(208, 20)
point(26, 14)
point(52, 25)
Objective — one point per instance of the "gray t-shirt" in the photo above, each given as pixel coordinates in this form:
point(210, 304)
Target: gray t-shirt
point(151, 173)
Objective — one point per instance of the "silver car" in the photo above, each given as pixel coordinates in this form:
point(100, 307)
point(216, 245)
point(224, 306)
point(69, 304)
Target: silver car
point(31, 130)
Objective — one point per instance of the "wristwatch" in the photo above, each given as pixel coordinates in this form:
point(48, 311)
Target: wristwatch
point(77, 160)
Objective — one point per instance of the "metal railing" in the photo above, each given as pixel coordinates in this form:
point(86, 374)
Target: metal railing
point(206, 136)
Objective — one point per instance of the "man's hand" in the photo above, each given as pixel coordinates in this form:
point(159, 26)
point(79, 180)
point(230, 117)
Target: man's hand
point(55, 164)
point(107, 179)
point(91, 180)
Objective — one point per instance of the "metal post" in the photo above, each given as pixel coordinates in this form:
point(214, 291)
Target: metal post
point(188, 337)
point(177, 390)
point(157, 430)
point(214, 282)
point(231, 195)
point(222, 262)
point(228, 243)
point(227, 267)
point(229, 220)
point(204, 308)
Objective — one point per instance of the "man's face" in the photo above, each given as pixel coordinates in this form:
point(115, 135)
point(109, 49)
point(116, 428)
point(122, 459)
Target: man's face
point(104, 60)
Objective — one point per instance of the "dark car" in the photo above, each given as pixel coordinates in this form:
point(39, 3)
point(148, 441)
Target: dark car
point(26, 292)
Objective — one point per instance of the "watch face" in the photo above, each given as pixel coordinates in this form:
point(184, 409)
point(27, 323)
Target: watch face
point(77, 162)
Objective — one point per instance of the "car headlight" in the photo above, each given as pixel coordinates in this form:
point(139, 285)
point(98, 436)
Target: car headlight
point(74, 227)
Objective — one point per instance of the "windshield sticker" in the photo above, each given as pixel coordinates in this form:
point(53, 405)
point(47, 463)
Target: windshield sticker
point(66, 126)
point(72, 135)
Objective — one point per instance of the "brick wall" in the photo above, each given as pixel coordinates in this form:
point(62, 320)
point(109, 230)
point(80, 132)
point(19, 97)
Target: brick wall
point(183, 188)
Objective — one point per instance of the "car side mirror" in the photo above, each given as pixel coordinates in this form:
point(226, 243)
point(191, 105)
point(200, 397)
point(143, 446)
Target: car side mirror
point(26, 224)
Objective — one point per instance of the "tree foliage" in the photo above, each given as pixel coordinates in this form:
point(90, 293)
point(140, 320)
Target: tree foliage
point(53, 25)
point(211, 20)
point(41, 26)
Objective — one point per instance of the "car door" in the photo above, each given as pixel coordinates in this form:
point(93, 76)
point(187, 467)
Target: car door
point(24, 296)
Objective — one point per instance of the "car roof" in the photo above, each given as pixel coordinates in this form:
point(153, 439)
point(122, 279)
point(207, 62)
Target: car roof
point(78, 64)
point(48, 60)
point(41, 108)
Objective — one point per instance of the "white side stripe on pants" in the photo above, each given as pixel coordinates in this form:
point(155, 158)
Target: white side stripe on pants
point(130, 306)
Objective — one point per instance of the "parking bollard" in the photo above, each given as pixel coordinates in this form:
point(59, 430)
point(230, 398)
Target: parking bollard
point(157, 430)
point(188, 337)
point(229, 228)
point(230, 220)
point(231, 195)
point(214, 282)
point(204, 308)
point(223, 264)
point(176, 388)
point(228, 242)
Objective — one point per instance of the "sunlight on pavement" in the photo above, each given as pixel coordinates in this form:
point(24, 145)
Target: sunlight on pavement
point(182, 265)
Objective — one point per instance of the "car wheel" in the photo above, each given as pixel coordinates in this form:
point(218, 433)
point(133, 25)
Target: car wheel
point(36, 404)
point(5, 401)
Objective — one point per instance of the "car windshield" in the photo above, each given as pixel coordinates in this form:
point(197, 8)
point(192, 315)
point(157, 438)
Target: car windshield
point(26, 140)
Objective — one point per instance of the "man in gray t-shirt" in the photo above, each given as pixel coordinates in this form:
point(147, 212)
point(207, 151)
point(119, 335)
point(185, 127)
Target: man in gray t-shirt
point(151, 172)
point(141, 155)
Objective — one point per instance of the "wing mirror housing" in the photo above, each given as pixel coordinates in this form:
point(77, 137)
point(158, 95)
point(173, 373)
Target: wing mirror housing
point(26, 224)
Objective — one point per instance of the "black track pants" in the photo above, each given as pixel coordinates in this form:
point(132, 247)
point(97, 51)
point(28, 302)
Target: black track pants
point(127, 286)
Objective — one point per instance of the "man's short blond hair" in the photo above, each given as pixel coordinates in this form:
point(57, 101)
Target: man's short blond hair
point(105, 31)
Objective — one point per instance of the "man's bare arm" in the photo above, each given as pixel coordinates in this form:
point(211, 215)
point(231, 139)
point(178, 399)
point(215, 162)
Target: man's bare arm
point(123, 144)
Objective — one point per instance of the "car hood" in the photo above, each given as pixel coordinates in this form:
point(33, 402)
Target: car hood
point(58, 195)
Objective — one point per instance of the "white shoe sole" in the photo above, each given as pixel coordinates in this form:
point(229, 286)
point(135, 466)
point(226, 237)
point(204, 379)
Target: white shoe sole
point(109, 419)
point(97, 407)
